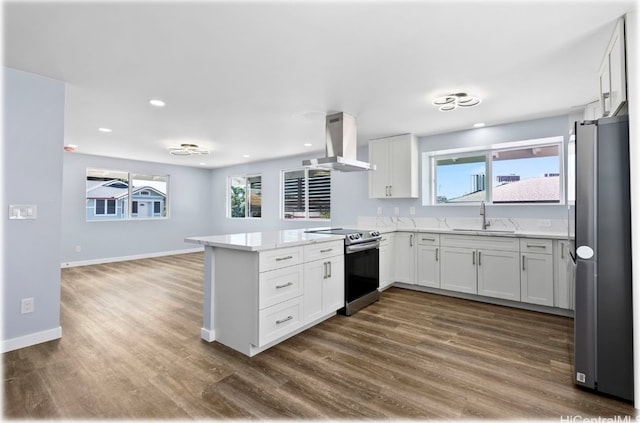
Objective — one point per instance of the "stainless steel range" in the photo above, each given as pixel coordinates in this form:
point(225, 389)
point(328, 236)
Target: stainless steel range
point(362, 267)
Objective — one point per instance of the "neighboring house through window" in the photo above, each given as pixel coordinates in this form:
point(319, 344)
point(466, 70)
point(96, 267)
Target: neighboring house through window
point(108, 195)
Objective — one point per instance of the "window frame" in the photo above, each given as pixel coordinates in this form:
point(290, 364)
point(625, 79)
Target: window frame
point(128, 205)
point(247, 210)
point(430, 169)
point(306, 217)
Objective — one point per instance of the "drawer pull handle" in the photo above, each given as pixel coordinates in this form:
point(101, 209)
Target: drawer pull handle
point(428, 239)
point(284, 286)
point(284, 258)
point(327, 250)
point(279, 322)
point(536, 246)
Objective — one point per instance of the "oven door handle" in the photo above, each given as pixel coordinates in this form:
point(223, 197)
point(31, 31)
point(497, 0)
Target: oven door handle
point(361, 247)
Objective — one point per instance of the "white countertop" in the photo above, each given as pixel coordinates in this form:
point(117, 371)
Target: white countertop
point(480, 232)
point(259, 241)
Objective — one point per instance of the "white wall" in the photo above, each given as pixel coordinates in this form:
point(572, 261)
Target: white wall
point(349, 197)
point(32, 174)
point(190, 214)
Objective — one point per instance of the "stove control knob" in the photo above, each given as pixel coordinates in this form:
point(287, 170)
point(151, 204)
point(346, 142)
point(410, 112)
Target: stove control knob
point(375, 233)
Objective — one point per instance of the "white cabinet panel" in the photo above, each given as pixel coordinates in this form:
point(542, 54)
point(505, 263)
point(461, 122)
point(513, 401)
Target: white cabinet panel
point(323, 287)
point(279, 285)
point(613, 80)
point(536, 279)
point(499, 274)
point(429, 265)
point(396, 160)
point(458, 270)
point(405, 257)
point(282, 257)
point(279, 320)
point(386, 260)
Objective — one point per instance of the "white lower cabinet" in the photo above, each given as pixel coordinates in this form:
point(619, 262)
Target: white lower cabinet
point(563, 287)
point(490, 268)
point(323, 287)
point(536, 272)
point(498, 274)
point(428, 257)
point(386, 260)
point(458, 270)
point(405, 257)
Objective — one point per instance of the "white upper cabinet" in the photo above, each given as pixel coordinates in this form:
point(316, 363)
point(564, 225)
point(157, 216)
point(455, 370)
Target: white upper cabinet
point(613, 81)
point(396, 160)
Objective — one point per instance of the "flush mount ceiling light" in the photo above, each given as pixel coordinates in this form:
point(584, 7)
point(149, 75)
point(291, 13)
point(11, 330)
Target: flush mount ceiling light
point(451, 102)
point(188, 150)
point(104, 129)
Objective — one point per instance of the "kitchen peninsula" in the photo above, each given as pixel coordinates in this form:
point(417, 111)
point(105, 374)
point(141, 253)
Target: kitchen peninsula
point(261, 288)
point(254, 286)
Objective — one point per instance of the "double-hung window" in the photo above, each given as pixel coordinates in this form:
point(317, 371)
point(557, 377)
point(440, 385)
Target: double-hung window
point(509, 173)
point(306, 194)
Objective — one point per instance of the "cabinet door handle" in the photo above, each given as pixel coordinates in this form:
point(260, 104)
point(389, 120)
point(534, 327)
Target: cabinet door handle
point(284, 286)
point(437, 254)
point(411, 240)
point(390, 194)
point(324, 270)
point(523, 259)
point(605, 96)
point(279, 322)
point(329, 265)
point(536, 246)
point(479, 258)
point(473, 258)
point(327, 250)
point(284, 258)
point(562, 251)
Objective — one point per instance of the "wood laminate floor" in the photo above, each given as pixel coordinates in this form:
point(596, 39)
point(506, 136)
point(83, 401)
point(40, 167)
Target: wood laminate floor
point(131, 349)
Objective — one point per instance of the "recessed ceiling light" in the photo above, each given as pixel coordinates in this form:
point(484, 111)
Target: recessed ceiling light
point(478, 125)
point(307, 144)
point(104, 129)
point(157, 103)
point(246, 156)
point(202, 164)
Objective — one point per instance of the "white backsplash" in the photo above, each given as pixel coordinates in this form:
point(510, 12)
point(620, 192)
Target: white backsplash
point(536, 226)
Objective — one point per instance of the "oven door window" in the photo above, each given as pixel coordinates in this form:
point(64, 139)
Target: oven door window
point(362, 273)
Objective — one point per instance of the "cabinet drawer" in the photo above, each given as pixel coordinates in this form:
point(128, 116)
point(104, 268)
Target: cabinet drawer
point(536, 246)
point(480, 241)
point(323, 250)
point(279, 320)
point(428, 239)
point(282, 257)
point(280, 285)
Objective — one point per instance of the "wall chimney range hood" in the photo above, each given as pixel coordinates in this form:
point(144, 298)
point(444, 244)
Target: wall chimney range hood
point(341, 146)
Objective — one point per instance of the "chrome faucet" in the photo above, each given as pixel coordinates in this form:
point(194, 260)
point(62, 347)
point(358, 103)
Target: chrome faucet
point(483, 213)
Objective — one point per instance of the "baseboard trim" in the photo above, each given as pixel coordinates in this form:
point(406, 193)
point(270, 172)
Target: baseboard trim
point(31, 339)
point(207, 335)
point(127, 258)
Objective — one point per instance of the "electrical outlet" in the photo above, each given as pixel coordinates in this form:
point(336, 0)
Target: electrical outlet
point(544, 223)
point(27, 305)
point(379, 211)
point(396, 211)
point(78, 248)
point(412, 210)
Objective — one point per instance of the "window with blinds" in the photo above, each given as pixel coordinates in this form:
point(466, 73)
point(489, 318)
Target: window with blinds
point(307, 194)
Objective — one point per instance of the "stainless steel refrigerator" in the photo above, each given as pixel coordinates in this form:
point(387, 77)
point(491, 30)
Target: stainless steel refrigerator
point(603, 321)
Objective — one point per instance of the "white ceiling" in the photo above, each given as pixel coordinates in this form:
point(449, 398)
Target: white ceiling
point(258, 78)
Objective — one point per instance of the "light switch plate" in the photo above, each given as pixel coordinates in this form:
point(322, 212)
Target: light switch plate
point(23, 211)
